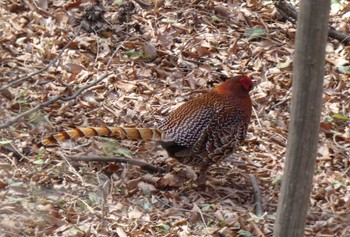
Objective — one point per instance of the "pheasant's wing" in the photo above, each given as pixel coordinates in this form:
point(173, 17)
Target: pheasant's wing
point(188, 123)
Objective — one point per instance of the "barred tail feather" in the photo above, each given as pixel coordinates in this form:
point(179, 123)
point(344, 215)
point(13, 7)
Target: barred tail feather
point(119, 133)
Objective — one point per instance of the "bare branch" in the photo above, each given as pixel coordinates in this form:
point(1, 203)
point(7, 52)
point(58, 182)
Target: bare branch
point(14, 82)
point(178, 208)
point(289, 12)
point(257, 195)
point(144, 165)
point(51, 101)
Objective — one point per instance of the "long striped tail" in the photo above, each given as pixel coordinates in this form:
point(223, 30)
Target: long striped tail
point(119, 133)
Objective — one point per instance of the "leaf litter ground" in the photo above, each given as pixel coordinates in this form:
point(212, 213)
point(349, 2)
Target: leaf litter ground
point(160, 55)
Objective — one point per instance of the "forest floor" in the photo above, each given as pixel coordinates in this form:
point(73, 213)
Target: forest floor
point(160, 55)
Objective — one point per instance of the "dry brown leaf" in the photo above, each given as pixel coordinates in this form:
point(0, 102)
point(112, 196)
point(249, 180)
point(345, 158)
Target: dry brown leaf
point(190, 51)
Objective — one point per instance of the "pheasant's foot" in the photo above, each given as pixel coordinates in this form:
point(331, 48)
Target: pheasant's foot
point(202, 178)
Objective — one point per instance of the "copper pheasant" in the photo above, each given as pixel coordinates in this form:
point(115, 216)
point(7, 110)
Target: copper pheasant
point(198, 133)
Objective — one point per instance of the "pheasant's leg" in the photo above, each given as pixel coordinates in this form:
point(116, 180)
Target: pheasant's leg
point(202, 178)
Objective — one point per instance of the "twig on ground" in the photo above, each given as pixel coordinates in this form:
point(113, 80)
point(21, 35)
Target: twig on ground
point(71, 166)
point(18, 155)
point(257, 229)
point(257, 195)
point(114, 53)
point(257, 117)
point(289, 12)
point(144, 165)
point(196, 208)
point(143, 4)
point(286, 98)
point(179, 208)
point(14, 82)
point(51, 101)
point(101, 187)
point(343, 38)
point(89, 208)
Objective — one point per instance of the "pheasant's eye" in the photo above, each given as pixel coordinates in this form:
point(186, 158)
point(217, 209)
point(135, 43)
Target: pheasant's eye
point(247, 83)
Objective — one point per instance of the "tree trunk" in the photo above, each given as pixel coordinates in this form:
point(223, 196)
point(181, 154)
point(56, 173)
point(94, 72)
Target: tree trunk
point(303, 132)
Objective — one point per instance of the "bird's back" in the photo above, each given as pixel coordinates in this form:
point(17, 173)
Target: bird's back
point(208, 128)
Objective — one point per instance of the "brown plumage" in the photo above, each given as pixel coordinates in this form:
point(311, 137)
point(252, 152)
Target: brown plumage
point(198, 133)
point(119, 133)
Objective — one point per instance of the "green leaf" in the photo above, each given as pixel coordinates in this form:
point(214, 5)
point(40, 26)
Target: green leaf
point(255, 219)
point(146, 205)
point(37, 118)
point(75, 231)
point(133, 53)
point(277, 180)
point(5, 142)
point(215, 18)
point(272, 217)
point(94, 198)
point(206, 207)
point(342, 117)
point(39, 162)
point(256, 32)
point(111, 147)
point(119, 2)
point(164, 227)
point(344, 69)
point(22, 101)
point(55, 172)
point(245, 233)
point(40, 154)
point(337, 184)
point(123, 152)
point(284, 65)
point(222, 224)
